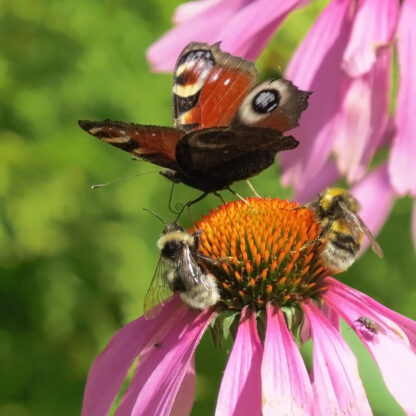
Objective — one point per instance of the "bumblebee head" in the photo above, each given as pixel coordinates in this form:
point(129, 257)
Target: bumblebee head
point(329, 200)
point(172, 227)
point(173, 241)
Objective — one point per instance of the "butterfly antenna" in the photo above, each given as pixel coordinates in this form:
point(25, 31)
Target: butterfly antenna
point(156, 215)
point(101, 185)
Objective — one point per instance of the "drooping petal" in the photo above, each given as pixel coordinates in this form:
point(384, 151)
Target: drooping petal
point(287, 390)
point(316, 67)
point(202, 26)
point(408, 326)
point(250, 30)
point(186, 395)
point(414, 223)
point(362, 118)
point(386, 342)
point(161, 370)
point(376, 197)
point(374, 26)
point(324, 178)
point(332, 316)
point(242, 27)
point(402, 168)
point(190, 10)
point(110, 368)
point(337, 385)
point(240, 391)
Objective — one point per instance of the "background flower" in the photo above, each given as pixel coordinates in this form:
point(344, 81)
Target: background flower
point(346, 60)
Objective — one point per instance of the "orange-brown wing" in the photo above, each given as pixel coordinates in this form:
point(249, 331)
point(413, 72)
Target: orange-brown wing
point(275, 103)
point(208, 86)
point(152, 143)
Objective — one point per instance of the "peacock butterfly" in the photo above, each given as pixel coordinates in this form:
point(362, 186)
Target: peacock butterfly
point(226, 128)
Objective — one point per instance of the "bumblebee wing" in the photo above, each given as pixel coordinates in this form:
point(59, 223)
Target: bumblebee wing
point(358, 226)
point(158, 291)
point(191, 273)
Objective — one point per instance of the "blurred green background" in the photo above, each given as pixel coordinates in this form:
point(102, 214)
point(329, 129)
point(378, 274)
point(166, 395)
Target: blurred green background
point(75, 263)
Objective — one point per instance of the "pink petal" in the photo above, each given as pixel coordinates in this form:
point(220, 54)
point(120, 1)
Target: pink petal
point(337, 385)
point(161, 370)
point(240, 391)
point(250, 30)
point(287, 389)
point(376, 197)
point(243, 27)
point(324, 178)
point(190, 10)
point(184, 400)
point(362, 118)
point(202, 27)
point(414, 224)
point(315, 66)
point(389, 346)
point(110, 368)
point(408, 326)
point(402, 168)
point(374, 26)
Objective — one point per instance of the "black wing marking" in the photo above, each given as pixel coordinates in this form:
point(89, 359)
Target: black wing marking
point(206, 149)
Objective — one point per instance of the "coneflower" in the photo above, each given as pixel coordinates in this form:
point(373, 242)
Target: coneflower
point(276, 293)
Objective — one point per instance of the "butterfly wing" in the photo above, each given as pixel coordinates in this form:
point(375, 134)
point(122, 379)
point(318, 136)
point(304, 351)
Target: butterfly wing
point(208, 86)
point(275, 103)
point(151, 143)
point(208, 149)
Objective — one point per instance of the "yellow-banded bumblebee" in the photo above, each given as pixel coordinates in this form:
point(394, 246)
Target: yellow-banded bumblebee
point(342, 229)
point(180, 270)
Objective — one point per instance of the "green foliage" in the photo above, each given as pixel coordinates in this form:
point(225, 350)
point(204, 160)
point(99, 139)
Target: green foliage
point(75, 263)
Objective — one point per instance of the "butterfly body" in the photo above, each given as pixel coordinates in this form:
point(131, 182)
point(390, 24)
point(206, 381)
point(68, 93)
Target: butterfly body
point(226, 128)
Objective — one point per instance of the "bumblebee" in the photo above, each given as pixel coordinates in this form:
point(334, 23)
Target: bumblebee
point(342, 229)
point(180, 270)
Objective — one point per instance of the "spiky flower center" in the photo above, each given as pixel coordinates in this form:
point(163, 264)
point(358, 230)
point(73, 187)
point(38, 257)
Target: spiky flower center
point(266, 251)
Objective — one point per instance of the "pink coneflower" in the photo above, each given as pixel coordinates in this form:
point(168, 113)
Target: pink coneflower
point(346, 59)
point(243, 26)
point(275, 281)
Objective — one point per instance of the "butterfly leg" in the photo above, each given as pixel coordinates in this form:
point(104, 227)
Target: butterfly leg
point(250, 185)
point(239, 197)
point(220, 197)
point(188, 204)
